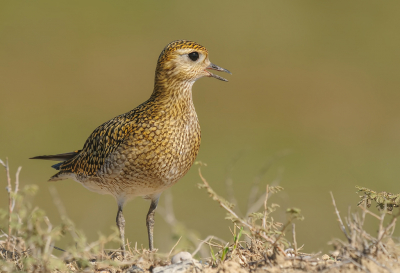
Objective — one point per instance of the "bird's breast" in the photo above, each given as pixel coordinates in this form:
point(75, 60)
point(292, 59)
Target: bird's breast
point(157, 153)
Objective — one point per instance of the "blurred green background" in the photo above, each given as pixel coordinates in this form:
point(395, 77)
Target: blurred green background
point(317, 78)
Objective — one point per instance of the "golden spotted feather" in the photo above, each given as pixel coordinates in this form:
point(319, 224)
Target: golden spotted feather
point(104, 140)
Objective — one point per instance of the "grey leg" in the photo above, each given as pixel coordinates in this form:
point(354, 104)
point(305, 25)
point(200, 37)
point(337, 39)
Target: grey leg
point(150, 219)
point(121, 227)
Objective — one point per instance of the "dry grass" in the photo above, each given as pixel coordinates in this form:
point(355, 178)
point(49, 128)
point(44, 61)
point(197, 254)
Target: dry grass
point(258, 244)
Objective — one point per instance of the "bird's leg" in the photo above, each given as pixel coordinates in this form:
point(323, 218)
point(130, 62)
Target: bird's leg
point(121, 227)
point(150, 220)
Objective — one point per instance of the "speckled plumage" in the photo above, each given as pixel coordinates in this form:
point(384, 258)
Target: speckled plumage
point(139, 153)
point(148, 149)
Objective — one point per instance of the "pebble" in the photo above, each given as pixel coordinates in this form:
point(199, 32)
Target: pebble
point(180, 257)
point(181, 267)
point(290, 253)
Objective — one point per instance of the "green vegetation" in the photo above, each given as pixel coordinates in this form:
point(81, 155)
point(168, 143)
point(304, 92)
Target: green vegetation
point(384, 200)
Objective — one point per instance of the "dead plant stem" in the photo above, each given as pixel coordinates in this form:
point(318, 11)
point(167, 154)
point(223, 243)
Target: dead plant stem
point(294, 238)
point(172, 249)
point(264, 220)
point(369, 212)
point(251, 228)
point(9, 190)
point(342, 227)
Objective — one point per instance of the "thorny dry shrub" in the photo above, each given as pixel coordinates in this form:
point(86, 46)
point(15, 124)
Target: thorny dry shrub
point(258, 244)
point(265, 236)
point(363, 251)
point(29, 244)
point(263, 250)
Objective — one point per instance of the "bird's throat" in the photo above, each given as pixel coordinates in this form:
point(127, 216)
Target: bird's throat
point(170, 91)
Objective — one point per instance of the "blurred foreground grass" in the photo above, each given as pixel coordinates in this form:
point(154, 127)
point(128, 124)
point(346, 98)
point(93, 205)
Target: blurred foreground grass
point(28, 242)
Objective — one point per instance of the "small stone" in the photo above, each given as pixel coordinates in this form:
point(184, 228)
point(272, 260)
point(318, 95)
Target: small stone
point(325, 257)
point(290, 253)
point(180, 257)
point(185, 266)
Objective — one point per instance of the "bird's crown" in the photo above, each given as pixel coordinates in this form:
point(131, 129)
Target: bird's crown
point(181, 63)
point(176, 45)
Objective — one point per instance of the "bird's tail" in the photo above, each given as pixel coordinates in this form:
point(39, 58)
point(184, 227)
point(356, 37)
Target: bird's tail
point(58, 157)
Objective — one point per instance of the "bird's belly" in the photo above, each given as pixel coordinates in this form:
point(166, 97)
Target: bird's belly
point(142, 166)
point(120, 187)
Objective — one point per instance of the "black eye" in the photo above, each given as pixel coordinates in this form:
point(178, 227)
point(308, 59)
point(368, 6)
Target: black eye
point(194, 56)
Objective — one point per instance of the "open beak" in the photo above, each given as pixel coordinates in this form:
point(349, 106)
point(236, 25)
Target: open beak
point(216, 67)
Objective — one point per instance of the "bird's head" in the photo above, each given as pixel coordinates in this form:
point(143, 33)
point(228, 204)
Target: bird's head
point(186, 61)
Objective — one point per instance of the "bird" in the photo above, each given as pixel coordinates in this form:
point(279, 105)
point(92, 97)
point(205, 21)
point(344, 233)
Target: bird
point(148, 149)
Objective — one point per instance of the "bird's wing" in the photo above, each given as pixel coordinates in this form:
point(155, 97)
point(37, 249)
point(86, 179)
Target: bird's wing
point(104, 140)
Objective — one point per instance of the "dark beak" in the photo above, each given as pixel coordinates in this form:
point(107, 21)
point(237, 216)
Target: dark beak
point(216, 67)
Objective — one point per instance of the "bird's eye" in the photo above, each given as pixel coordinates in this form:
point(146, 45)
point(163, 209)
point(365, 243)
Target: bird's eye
point(193, 56)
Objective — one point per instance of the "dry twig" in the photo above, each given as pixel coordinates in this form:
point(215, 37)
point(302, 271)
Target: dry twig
point(11, 196)
point(224, 204)
point(342, 227)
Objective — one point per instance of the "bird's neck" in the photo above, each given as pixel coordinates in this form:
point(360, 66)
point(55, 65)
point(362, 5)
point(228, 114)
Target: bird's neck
point(171, 91)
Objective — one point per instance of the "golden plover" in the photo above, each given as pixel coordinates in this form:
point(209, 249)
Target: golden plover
point(148, 149)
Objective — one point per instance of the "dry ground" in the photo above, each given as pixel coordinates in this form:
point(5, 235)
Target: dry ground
point(258, 243)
